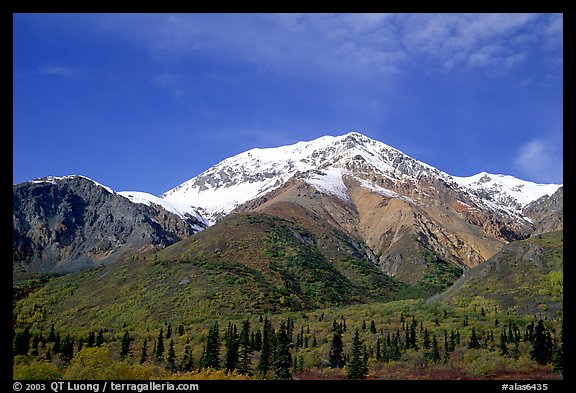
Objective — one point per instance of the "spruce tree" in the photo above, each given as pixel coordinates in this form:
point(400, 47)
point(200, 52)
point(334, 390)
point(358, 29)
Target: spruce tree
point(187, 360)
point(503, 347)
point(434, 353)
point(426, 339)
point(100, 338)
point(231, 341)
point(541, 345)
point(245, 350)
point(22, 343)
point(558, 361)
point(282, 355)
point(159, 352)
point(67, 350)
point(211, 356)
point(144, 354)
point(266, 352)
point(171, 356)
point(257, 340)
point(474, 343)
point(336, 357)
point(91, 340)
point(356, 366)
point(52, 334)
point(125, 347)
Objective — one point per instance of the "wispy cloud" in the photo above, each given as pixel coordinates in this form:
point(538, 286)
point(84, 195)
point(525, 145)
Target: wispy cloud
point(541, 160)
point(60, 71)
point(365, 42)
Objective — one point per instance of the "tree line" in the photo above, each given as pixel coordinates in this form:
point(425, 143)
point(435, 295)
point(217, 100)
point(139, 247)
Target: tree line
point(274, 351)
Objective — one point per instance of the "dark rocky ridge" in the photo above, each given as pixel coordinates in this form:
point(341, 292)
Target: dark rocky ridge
point(547, 212)
point(72, 223)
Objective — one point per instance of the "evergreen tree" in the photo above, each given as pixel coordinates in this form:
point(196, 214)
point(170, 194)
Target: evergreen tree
point(211, 356)
point(57, 345)
point(336, 357)
point(231, 342)
point(266, 352)
point(100, 338)
point(558, 361)
point(434, 353)
point(52, 334)
point(257, 340)
point(159, 352)
point(541, 345)
point(282, 356)
point(378, 349)
point(67, 351)
point(144, 353)
point(125, 347)
point(245, 350)
point(91, 340)
point(187, 360)
point(168, 331)
point(426, 339)
point(474, 343)
point(171, 356)
point(503, 347)
point(35, 344)
point(22, 343)
point(356, 366)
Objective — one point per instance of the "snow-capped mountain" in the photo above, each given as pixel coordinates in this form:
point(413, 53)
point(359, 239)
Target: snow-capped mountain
point(184, 212)
point(505, 190)
point(323, 162)
point(405, 213)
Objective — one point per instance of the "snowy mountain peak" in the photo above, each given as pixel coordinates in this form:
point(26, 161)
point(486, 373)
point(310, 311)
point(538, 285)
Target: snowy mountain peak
point(255, 172)
point(56, 179)
point(505, 190)
point(323, 163)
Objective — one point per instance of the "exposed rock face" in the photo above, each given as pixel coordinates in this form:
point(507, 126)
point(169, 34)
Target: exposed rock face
point(401, 218)
point(72, 223)
point(547, 212)
point(525, 277)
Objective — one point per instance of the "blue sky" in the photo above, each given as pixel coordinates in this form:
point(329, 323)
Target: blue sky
point(147, 101)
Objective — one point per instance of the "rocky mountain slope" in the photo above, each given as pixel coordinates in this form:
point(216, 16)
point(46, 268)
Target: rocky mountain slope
point(245, 263)
point(525, 277)
point(546, 212)
point(72, 223)
point(411, 216)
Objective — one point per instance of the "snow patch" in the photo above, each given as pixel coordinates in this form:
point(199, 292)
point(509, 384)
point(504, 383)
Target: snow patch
point(329, 181)
point(180, 210)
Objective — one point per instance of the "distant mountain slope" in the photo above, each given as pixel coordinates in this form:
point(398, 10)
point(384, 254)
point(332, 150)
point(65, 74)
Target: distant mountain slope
point(547, 212)
point(506, 191)
point(72, 223)
point(254, 263)
point(526, 277)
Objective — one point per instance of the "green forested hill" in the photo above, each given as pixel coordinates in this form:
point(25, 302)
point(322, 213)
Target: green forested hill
point(245, 263)
point(526, 277)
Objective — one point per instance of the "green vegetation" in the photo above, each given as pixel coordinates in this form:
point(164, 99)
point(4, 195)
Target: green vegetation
point(438, 275)
point(269, 302)
point(401, 339)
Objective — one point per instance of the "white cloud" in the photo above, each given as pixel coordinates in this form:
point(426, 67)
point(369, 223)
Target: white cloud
point(541, 160)
point(312, 43)
point(59, 71)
